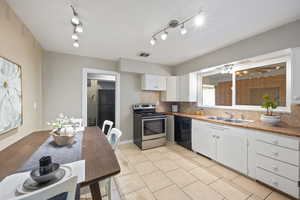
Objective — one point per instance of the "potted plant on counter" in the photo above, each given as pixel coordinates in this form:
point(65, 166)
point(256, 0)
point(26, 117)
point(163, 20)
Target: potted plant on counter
point(269, 117)
point(63, 130)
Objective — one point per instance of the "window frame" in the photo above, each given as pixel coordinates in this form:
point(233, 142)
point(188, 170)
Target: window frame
point(215, 70)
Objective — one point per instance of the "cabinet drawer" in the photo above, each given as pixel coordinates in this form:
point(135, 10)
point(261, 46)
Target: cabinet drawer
point(283, 141)
point(278, 182)
point(278, 153)
point(278, 167)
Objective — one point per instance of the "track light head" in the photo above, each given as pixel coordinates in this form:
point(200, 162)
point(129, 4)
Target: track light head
point(183, 30)
point(75, 36)
point(79, 28)
point(76, 44)
point(164, 35)
point(153, 41)
point(199, 19)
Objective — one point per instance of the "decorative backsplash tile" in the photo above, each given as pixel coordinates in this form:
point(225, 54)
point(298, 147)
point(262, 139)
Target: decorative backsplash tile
point(293, 118)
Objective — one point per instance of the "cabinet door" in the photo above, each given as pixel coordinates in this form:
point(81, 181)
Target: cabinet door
point(195, 136)
point(170, 129)
point(203, 140)
point(232, 149)
point(153, 82)
point(295, 75)
point(171, 93)
point(188, 87)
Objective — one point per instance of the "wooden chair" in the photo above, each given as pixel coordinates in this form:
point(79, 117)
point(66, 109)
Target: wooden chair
point(114, 139)
point(107, 123)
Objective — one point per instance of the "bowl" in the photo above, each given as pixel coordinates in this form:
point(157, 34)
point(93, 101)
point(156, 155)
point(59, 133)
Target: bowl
point(37, 177)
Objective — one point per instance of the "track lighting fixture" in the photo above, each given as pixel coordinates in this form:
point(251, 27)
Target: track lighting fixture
point(199, 19)
point(78, 27)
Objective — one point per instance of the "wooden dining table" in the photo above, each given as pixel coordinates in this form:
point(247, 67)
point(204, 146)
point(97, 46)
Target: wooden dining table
point(100, 159)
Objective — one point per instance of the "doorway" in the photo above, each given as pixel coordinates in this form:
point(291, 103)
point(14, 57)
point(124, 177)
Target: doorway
point(100, 97)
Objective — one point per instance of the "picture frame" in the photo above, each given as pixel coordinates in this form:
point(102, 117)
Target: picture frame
point(11, 95)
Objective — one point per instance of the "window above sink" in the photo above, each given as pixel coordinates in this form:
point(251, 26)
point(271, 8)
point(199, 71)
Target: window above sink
point(243, 85)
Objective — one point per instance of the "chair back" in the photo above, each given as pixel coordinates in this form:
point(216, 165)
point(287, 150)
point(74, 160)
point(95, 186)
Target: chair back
point(64, 190)
point(114, 137)
point(109, 124)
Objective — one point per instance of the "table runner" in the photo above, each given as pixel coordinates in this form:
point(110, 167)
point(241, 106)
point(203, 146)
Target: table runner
point(61, 155)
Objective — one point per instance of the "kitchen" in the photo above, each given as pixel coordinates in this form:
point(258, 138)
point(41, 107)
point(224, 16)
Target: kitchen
point(201, 98)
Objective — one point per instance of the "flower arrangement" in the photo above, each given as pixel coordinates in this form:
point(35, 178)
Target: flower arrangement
point(63, 124)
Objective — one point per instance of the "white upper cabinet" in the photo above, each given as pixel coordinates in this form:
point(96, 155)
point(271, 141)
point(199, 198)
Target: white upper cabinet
point(154, 82)
point(188, 87)
point(172, 92)
point(295, 61)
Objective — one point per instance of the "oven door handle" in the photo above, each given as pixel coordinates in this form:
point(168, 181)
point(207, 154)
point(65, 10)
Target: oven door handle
point(151, 119)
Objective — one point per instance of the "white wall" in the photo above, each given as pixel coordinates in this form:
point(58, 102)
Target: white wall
point(18, 45)
point(62, 74)
point(128, 65)
point(284, 37)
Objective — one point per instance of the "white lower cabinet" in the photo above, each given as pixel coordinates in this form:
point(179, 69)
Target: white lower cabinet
point(202, 140)
point(221, 143)
point(232, 149)
point(268, 157)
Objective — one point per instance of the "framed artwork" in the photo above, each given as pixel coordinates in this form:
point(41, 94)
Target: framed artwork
point(11, 115)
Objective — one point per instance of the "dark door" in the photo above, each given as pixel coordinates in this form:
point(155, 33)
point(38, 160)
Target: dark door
point(183, 131)
point(106, 106)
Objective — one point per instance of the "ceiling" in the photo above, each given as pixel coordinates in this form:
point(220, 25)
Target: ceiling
point(122, 28)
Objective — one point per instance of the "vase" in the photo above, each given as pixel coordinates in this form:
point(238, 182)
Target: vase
point(270, 120)
point(63, 137)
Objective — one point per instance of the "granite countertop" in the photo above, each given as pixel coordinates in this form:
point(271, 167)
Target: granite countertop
point(281, 128)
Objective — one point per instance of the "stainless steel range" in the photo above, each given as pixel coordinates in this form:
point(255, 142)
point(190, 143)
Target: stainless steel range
point(149, 126)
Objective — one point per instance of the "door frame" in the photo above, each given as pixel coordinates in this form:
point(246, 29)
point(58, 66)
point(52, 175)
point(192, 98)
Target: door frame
point(85, 72)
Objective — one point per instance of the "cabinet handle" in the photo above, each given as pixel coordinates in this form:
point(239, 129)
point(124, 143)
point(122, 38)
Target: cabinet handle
point(275, 168)
point(275, 154)
point(275, 142)
point(275, 183)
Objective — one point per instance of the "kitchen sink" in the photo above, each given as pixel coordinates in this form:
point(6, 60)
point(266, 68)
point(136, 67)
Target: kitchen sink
point(235, 121)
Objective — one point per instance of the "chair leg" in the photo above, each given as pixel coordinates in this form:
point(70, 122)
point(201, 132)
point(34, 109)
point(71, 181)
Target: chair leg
point(109, 188)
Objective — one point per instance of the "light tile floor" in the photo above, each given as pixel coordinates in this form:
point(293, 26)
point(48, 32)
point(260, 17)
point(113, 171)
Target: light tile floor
point(174, 173)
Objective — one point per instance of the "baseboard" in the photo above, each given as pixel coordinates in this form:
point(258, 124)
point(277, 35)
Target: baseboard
point(126, 142)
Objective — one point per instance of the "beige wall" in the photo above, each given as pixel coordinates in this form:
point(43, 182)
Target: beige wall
point(18, 44)
point(284, 37)
point(62, 87)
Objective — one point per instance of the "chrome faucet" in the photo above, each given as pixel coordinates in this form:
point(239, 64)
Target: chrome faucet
point(242, 116)
point(230, 115)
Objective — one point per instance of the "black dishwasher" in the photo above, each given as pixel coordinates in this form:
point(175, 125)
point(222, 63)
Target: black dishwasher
point(183, 131)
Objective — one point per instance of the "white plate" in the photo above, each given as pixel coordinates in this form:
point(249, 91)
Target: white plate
point(21, 190)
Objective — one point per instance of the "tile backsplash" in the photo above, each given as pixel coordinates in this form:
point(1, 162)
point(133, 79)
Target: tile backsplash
point(292, 119)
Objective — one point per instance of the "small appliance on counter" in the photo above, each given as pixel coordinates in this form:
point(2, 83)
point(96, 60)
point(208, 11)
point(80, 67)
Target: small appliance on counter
point(174, 108)
point(149, 127)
